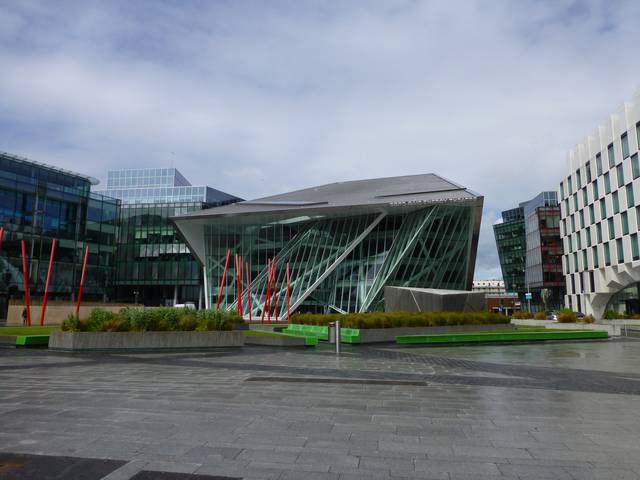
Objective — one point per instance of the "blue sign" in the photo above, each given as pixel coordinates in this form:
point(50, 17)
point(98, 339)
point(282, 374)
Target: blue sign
point(528, 296)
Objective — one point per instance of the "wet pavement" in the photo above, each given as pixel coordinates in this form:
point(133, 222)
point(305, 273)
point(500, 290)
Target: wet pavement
point(566, 410)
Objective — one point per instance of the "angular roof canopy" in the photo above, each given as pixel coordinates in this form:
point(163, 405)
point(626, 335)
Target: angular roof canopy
point(395, 191)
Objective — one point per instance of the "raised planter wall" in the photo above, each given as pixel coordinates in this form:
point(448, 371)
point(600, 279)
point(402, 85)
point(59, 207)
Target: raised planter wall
point(378, 335)
point(281, 341)
point(612, 329)
point(82, 341)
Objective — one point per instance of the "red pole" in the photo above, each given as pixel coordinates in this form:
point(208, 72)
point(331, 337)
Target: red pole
point(288, 295)
point(265, 307)
point(46, 285)
point(84, 270)
point(275, 289)
point(248, 291)
point(240, 309)
point(25, 275)
point(1, 236)
point(224, 277)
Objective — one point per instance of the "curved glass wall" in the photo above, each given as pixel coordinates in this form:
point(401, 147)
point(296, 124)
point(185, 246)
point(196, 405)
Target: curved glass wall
point(626, 300)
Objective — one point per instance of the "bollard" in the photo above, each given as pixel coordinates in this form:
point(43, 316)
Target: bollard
point(337, 329)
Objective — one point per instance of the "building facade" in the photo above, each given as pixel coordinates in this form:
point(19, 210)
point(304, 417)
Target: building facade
point(530, 251)
point(40, 203)
point(494, 287)
point(600, 217)
point(153, 264)
point(342, 242)
point(512, 249)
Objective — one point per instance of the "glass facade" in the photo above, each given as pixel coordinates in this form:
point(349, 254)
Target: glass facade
point(341, 262)
point(38, 204)
point(511, 243)
point(153, 264)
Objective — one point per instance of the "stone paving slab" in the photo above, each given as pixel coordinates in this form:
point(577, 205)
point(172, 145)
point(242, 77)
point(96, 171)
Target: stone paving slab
point(385, 414)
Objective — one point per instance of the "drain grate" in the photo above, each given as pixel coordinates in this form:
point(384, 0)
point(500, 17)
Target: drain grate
point(352, 381)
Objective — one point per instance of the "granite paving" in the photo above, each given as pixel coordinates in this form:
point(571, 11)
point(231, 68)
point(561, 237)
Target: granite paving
point(538, 411)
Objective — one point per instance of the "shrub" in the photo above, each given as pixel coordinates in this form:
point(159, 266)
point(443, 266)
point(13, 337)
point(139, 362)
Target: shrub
point(566, 315)
point(588, 319)
point(540, 316)
point(71, 324)
point(400, 319)
point(522, 315)
point(611, 315)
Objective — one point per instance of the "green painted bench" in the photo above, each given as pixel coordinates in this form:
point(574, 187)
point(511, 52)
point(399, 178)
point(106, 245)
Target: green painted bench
point(31, 340)
point(347, 335)
point(500, 337)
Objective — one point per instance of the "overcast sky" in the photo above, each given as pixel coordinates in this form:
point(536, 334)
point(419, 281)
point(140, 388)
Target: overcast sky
point(261, 97)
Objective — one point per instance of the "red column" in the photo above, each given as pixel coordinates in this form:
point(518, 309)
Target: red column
point(248, 290)
point(288, 295)
point(25, 275)
point(224, 277)
point(267, 302)
point(275, 289)
point(84, 271)
point(46, 285)
point(1, 236)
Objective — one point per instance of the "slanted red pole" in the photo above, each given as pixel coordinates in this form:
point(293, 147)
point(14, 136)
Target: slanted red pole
point(240, 309)
point(275, 289)
point(1, 236)
point(288, 295)
point(25, 275)
point(248, 291)
point(84, 271)
point(265, 306)
point(224, 277)
point(46, 285)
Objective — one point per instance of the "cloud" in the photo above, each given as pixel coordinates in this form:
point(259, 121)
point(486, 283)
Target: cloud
point(259, 97)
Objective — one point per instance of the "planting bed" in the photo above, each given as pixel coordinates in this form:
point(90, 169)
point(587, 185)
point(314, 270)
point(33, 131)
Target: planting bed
point(499, 337)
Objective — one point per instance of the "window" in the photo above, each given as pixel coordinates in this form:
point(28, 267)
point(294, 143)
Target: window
point(592, 214)
point(625, 145)
point(607, 254)
point(607, 183)
point(620, 173)
point(578, 180)
point(588, 235)
point(635, 251)
point(570, 185)
point(588, 169)
point(611, 154)
point(620, 250)
point(603, 209)
point(630, 200)
point(599, 232)
point(585, 263)
point(599, 164)
point(616, 202)
point(635, 166)
point(594, 253)
point(638, 134)
point(625, 223)
point(612, 229)
point(575, 201)
point(561, 189)
point(581, 215)
point(596, 193)
point(585, 197)
point(573, 223)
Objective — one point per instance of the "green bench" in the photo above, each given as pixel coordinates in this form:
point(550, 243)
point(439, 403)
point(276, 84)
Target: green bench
point(500, 337)
point(31, 340)
point(347, 335)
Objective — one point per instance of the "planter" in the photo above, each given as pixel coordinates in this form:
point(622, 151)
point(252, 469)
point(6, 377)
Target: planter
point(141, 341)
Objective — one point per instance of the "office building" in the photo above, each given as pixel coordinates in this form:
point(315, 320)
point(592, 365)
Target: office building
point(153, 264)
point(343, 242)
point(600, 212)
point(530, 251)
point(40, 203)
point(494, 287)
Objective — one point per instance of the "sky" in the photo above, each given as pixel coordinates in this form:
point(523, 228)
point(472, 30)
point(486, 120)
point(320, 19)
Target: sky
point(261, 97)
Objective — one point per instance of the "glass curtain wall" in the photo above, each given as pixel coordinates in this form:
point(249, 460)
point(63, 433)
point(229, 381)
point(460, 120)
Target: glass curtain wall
point(341, 263)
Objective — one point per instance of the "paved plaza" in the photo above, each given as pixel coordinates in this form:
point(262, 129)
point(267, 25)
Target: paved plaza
point(552, 411)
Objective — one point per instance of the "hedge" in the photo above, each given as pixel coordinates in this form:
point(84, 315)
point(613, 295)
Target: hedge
point(163, 319)
point(400, 319)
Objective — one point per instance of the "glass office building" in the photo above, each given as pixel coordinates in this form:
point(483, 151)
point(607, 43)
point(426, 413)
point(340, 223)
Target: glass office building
point(153, 264)
point(40, 203)
point(343, 243)
point(530, 251)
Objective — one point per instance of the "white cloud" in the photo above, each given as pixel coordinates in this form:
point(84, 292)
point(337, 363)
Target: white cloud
point(262, 97)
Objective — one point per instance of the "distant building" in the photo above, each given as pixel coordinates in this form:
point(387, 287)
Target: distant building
point(494, 287)
point(40, 203)
point(530, 251)
point(600, 204)
point(153, 264)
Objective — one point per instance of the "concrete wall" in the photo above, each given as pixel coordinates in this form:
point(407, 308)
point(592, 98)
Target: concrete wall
point(58, 311)
point(80, 341)
point(405, 299)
